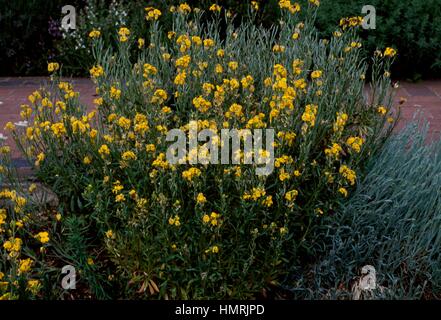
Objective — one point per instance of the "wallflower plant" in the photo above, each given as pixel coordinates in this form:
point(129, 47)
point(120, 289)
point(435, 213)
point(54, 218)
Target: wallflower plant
point(155, 229)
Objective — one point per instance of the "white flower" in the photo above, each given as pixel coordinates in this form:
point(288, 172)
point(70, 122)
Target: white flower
point(3, 137)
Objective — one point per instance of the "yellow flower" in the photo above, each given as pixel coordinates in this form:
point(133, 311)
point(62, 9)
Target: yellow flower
point(348, 174)
point(40, 158)
point(382, 110)
point(58, 129)
point(13, 245)
point(174, 221)
point(196, 40)
point(310, 114)
point(110, 234)
point(278, 48)
point(334, 151)
point(124, 33)
point(149, 70)
point(343, 191)
point(201, 198)
point(206, 218)
point(340, 121)
point(32, 187)
point(94, 33)
point(128, 155)
point(120, 198)
point(9, 126)
point(166, 110)
point(218, 69)
point(183, 62)
point(150, 148)
point(183, 41)
point(25, 266)
point(104, 150)
point(191, 173)
point(33, 286)
point(255, 194)
point(87, 160)
point(184, 8)
point(43, 237)
point(201, 104)
point(215, 7)
point(152, 13)
point(53, 66)
point(291, 7)
point(159, 96)
point(355, 143)
point(268, 201)
point(124, 123)
point(390, 52)
point(283, 175)
point(180, 78)
point(141, 43)
point(90, 261)
point(233, 65)
point(208, 43)
point(255, 5)
point(291, 195)
point(115, 93)
point(316, 74)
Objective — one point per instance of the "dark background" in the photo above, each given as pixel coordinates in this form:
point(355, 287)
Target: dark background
point(29, 34)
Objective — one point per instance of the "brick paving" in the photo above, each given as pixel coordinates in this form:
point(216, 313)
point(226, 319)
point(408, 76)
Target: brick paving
point(422, 97)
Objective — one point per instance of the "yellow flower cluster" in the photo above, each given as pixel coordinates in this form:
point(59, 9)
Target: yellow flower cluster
point(255, 194)
point(152, 13)
point(124, 34)
point(191, 173)
point(291, 7)
point(53, 66)
point(351, 22)
point(390, 52)
point(355, 143)
point(334, 151)
point(212, 219)
point(348, 174)
point(96, 71)
point(309, 114)
point(174, 221)
point(43, 237)
point(94, 33)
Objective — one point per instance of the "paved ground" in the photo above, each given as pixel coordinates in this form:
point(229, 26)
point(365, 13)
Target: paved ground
point(424, 96)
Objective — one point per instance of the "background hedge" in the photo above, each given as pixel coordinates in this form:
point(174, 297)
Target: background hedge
point(29, 35)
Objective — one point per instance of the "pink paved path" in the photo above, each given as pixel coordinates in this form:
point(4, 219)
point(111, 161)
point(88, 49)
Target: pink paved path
point(425, 96)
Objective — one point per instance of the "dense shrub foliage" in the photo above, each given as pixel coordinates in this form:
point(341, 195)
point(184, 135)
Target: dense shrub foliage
point(137, 226)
